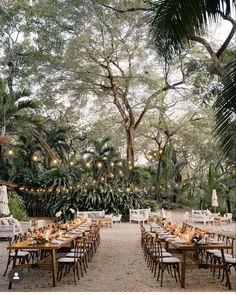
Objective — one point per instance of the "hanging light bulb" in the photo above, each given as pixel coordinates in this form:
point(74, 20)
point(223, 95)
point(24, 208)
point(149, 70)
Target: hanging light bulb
point(120, 163)
point(112, 164)
point(87, 164)
point(54, 161)
point(10, 152)
point(99, 165)
point(34, 158)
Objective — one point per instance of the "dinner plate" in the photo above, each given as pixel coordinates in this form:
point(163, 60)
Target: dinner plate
point(179, 241)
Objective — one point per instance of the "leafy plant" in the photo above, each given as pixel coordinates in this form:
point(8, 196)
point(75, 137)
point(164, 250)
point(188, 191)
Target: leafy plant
point(17, 206)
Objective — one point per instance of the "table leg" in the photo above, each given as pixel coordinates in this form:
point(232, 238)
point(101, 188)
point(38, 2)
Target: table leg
point(183, 269)
point(13, 266)
point(228, 283)
point(54, 267)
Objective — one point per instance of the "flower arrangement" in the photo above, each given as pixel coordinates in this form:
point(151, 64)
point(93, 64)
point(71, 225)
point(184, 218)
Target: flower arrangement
point(38, 238)
point(198, 238)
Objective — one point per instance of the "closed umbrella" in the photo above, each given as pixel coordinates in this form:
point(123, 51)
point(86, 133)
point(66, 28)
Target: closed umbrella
point(214, 200)
point(4, 209)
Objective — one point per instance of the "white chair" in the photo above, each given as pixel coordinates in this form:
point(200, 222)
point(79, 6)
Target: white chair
point(40, 223)
point(116, 218)
point(229, 217)
point(186, 216)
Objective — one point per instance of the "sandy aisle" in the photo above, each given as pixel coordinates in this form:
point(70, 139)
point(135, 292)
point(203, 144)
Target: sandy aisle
point(118, 265)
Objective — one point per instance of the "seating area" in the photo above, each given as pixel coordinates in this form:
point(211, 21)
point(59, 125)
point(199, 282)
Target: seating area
point(77, 242)
point(209, 249)
point(10, 226)
point(105, 219)
point(202, 216)
point(139, 215)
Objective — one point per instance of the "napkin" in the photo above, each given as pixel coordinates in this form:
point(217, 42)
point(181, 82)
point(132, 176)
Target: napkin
point(56, 242)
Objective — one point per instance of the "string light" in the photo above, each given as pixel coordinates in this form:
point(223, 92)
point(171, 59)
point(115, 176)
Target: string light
point(99, 165)
point(71, 163)
point(112, 164)
point(120, 163)
point(10, 152)
point(87, 164)
point(55, 162)
point(34, 158)
point(161, 151)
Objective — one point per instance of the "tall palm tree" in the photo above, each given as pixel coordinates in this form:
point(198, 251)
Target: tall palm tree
point(174, 24)
point(16, 112)
point(99, 156)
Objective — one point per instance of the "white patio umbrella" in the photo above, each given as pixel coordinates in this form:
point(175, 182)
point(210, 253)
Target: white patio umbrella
point(214, 200)
point(4, 209)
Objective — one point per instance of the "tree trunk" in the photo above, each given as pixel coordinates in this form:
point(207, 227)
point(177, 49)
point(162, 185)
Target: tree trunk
point(228, 205)
point(130, 136)
point(158, 179)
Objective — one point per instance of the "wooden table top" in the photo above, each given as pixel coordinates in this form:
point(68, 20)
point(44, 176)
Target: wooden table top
point(194, 247)
point(46, 246)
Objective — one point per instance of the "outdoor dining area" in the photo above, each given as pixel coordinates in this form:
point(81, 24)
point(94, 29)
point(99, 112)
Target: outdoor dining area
point(59, 247)
point(171, 247)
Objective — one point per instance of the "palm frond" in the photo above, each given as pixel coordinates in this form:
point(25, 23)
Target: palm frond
point(225, 108)
point(174, 22)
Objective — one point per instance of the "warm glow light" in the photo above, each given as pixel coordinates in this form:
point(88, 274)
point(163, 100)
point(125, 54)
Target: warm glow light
point(129, 162)
point(120, 173)
point(35, 158)
point(99, 165)
point(87, 165)
point(130, 167)
point(55, 161)
point(119, 163)
point(160, 151)
point(10, 152)
point(102, 179)
point(150, 157)
point(111, 175)
point(112, 164)
point(71, 163)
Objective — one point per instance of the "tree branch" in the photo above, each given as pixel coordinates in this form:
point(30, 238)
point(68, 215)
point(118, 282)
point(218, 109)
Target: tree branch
point(213, 55)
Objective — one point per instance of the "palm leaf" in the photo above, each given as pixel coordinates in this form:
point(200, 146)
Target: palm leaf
point(225, 108)
point(174, 22)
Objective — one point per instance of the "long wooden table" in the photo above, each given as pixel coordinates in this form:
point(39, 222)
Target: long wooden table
point(49, 247)
point(184, 249)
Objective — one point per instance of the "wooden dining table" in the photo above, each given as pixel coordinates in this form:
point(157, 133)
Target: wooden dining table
point(50, 247)
point(185, 250)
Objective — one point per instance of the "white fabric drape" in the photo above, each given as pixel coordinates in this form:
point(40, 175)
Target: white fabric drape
point(214, 199)
point(4, 209)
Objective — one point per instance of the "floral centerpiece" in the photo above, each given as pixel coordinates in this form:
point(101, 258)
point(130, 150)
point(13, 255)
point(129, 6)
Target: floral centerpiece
point(198, 238)
point(38, 238)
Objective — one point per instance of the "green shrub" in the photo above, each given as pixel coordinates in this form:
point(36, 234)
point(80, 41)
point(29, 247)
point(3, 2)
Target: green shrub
point(150, 204)
point(17, 206)
point(170, 205)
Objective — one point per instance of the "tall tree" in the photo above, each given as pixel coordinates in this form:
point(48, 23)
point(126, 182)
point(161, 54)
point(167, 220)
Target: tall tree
point(174, 24)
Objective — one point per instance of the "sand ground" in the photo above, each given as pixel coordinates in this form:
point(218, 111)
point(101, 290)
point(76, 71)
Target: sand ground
point(119, 266)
